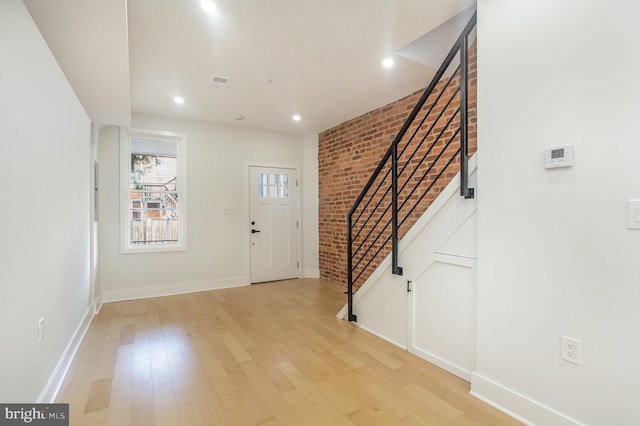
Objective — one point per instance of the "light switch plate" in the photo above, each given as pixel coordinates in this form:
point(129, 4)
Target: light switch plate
point(633, 214)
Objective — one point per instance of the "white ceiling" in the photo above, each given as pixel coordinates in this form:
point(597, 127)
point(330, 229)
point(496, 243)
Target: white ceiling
point(322, 58)
point(433, 47)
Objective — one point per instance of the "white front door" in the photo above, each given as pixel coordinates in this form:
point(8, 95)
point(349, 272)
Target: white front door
point(273, 223)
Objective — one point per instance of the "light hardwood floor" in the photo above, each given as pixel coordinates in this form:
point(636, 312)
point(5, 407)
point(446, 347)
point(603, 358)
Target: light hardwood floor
point(268, 354)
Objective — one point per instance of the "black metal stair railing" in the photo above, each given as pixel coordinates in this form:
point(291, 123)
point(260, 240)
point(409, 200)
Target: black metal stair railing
point(419, 162)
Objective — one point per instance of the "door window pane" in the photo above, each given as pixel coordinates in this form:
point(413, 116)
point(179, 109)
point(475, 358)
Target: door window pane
point(273, 185)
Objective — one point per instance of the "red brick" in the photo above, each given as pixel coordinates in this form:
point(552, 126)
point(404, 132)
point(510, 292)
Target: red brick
point(349, 153)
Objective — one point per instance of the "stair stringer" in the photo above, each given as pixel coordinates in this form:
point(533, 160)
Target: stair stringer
point(447, 228)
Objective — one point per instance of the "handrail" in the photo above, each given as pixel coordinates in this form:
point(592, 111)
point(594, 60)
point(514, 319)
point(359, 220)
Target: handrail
point(374, 226)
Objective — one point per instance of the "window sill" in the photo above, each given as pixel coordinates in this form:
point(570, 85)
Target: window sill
point(160, 249)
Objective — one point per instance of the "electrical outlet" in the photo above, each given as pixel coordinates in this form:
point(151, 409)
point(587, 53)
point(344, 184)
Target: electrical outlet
point(41, 330)
point(571, 350)
point(212, 260)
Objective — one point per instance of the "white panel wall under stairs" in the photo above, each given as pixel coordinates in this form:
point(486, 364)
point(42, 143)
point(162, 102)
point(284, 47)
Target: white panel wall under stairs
point(442, 315)
point(436, 320)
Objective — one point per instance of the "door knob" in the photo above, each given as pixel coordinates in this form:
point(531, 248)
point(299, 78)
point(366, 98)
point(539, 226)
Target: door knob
point(253, 231)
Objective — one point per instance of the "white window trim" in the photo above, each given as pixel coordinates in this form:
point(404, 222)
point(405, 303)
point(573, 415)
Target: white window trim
point(125, 167)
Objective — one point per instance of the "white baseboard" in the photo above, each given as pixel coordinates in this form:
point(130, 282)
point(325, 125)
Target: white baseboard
point(117, 295)
point(342, 313)
point(51, 389)
point(442, 363)
point(393, 342)
point(516, 405)
point(311, 273)
point(97, 305)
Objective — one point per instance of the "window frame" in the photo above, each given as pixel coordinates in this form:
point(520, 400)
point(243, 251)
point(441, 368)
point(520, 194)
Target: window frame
point(126, 134)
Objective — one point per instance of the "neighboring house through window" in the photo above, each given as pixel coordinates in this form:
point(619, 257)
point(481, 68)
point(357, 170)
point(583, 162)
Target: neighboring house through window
point(153, 190)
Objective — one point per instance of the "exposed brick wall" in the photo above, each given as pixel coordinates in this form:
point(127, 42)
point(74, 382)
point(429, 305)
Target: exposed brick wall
point(349, 153)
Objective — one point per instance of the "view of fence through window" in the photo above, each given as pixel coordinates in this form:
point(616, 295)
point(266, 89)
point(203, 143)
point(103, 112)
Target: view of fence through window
point(153, 193)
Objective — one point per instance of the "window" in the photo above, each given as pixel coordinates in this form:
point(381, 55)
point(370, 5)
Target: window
point(273, 185)
point(153, 190)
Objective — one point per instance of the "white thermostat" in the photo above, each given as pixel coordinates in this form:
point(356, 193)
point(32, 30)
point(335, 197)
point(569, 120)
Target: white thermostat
point(561, 156)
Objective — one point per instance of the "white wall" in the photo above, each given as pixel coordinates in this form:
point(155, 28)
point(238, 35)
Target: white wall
point(96, 293)
point(217, 166)
point(310, 237)
point(554, 255)
point(44, 219)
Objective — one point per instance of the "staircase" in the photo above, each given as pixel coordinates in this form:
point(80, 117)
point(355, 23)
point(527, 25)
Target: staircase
point(432, 147)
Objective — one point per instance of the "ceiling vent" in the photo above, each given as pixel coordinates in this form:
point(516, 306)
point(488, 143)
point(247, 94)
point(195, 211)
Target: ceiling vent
point(218, 81)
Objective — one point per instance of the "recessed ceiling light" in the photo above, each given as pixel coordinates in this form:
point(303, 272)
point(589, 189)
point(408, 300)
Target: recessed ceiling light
point(296, 117)
point(388, 63)
point(179, 100)
point(208, 6)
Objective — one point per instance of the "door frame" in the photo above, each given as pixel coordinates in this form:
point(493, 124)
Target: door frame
point(247, 218)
